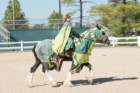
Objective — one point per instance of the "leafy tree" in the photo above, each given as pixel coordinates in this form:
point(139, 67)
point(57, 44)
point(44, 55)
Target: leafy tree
point(69, 2)
point(14, 17)
point(121, 19)
point(55, 20)
point(115, 2)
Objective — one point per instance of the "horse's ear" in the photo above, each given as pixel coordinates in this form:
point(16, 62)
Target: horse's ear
point(98, 26)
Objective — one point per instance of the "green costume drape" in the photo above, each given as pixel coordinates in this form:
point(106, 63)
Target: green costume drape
point(84, 45)
point(61, 39)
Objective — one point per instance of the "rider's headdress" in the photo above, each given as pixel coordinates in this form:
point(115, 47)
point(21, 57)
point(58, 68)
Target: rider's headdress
point(66, 17)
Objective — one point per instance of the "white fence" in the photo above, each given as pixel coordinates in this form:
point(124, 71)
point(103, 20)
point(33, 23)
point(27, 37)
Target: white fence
point(116, 41)
point(22, 45)
point(28, 45)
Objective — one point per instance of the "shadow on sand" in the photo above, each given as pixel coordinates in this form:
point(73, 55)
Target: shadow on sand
point(101, 80)
point(95, 81)
point(40, 85)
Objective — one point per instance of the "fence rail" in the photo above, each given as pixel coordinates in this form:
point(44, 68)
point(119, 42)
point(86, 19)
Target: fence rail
point(115, 41)
point(22, 45)
point(28, 45)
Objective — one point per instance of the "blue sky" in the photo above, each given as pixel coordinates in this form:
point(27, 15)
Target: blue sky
point(41, 9)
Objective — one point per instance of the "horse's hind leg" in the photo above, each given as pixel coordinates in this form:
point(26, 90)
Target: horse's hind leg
point(33, 68)
point(45, 70)
point(74, 69)
point(90, 77)
point(37, 62)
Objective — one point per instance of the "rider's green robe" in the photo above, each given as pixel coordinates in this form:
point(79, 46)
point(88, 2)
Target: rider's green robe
point(61, 39)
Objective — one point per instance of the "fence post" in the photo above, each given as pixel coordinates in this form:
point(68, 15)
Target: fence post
point(138, 41)
point(21, 46)
point(113, 41)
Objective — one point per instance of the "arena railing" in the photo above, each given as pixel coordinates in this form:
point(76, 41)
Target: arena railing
point(115, 41)
point(19, 46)
point(28, 45)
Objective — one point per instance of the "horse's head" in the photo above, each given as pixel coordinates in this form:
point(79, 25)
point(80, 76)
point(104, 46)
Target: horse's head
point(93, 33)
point(97, 34)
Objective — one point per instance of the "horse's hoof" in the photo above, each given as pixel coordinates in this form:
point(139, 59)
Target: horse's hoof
point(68, 84)
point(54, 84)
point(30, 85)
point(90, 80)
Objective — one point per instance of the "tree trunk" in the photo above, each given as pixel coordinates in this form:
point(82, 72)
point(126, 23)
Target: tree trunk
point(81, 13)
point(59, 7)
point(124, 2)
point(135, 1)
point(59, 21)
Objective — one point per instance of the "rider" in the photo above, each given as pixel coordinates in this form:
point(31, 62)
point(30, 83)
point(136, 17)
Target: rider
point(64, 41)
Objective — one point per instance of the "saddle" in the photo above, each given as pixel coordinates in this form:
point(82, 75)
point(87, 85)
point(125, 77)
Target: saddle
point(56, 62)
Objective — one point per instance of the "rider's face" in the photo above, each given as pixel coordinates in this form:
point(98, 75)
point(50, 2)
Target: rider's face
point(68, 19)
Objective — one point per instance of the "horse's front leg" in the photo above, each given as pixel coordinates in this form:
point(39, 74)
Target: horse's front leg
point(67, 81)
point(90, 76)
point(33, 68)
point(46, 72)
point(50, 78)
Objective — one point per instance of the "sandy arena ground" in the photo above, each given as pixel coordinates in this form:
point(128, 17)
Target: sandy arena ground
point(116, 70)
